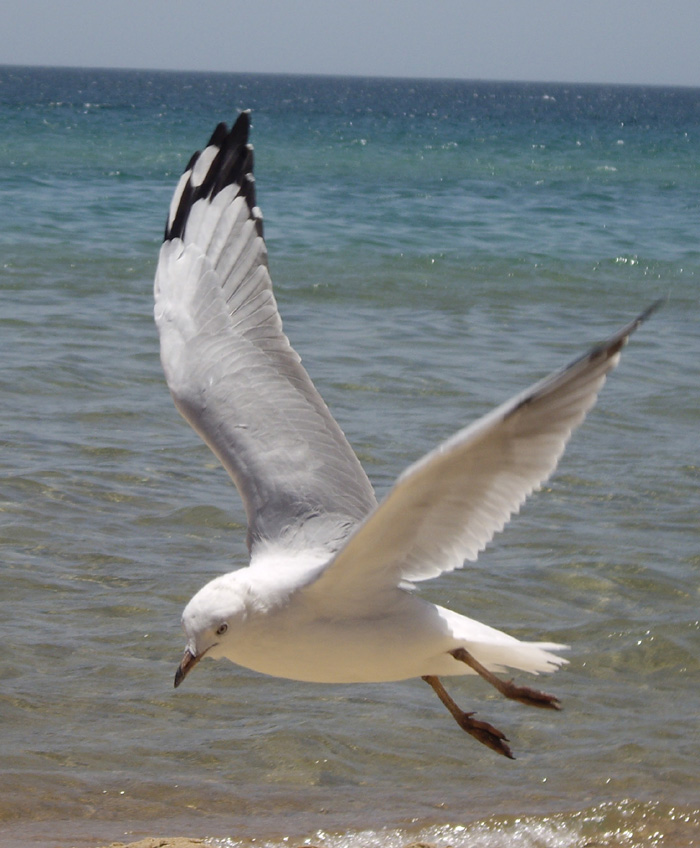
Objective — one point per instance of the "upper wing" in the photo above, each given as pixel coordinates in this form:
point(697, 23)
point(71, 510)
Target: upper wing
point(230, 368)
point(448, 505)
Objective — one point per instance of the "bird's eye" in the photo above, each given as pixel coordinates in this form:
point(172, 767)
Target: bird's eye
point(221, 629)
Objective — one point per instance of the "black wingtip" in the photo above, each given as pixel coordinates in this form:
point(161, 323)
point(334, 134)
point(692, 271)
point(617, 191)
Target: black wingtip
point(241, 127)
point(650, 310)
point(603, 351)
point(233, 163)
point(218, 136)
point(619, 340)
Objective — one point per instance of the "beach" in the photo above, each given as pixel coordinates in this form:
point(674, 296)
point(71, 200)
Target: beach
point(156, 842)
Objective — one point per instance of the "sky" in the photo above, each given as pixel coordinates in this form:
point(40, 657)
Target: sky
point(605, 41)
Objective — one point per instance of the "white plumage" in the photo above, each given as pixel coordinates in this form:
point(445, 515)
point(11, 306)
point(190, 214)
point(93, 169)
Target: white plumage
point(327, 595)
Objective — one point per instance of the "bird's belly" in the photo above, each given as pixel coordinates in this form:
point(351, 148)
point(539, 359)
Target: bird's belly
point(345, 651)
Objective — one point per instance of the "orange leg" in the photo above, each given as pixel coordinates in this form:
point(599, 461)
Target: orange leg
point(484, 732)
point(524, 694)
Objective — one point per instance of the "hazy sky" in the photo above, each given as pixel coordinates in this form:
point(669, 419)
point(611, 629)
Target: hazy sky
point(625, 41)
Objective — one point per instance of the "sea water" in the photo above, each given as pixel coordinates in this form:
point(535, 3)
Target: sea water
point(435, 247)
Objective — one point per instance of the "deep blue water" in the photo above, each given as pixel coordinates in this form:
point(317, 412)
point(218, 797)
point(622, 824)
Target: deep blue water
point(435, 246)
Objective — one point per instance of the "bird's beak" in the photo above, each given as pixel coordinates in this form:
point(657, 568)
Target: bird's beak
point(189, 661)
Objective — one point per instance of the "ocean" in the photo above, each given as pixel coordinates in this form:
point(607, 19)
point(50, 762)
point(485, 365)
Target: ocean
point(436, 246)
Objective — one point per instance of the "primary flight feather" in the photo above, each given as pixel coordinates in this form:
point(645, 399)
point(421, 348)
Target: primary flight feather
point(327, 595)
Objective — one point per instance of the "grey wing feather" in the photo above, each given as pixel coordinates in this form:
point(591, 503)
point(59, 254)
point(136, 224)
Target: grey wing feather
point(230, 368)
point(446, 507)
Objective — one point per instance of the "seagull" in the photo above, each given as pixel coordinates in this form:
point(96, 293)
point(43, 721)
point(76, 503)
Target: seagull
point(329, 593)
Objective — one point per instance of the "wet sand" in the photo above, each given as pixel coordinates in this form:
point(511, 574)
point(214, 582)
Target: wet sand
point(158, 842)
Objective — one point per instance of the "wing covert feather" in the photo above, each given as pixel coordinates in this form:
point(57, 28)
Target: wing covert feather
point(230, 368)
point(446, 507)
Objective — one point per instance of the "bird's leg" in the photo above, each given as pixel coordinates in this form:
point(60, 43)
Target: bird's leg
point(484, 732)
point(524, 694)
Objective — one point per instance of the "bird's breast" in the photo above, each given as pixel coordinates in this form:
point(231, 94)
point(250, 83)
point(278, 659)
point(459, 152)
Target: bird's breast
point(295, 644)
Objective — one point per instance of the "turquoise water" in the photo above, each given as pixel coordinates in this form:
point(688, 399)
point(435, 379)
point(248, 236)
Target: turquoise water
point(435, 247)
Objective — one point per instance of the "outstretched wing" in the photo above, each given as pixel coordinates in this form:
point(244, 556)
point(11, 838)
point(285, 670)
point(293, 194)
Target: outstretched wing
point(446, 507)
point(230, 368)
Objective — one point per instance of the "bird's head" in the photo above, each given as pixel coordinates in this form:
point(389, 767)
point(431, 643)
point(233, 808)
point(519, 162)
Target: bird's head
point(210, 620)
